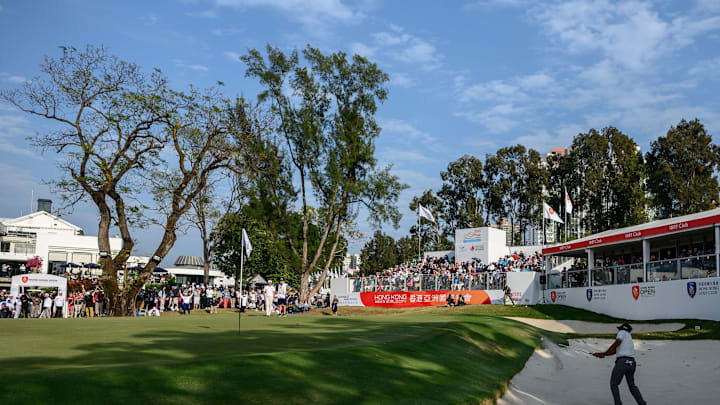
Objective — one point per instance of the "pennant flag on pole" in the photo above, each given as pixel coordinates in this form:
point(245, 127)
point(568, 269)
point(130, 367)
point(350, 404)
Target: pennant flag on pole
point(549, 213)
point(568, 203)
point(425, 213)
point(246, 243)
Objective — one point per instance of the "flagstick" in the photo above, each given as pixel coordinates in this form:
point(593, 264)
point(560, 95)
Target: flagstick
point(242, 263)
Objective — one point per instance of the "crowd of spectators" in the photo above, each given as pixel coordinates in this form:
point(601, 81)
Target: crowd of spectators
point(152, 301)
point(442, 273)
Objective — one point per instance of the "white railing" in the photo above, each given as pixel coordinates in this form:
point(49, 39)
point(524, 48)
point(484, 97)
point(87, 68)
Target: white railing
point(430, 282)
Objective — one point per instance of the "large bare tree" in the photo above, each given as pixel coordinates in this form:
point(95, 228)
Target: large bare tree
point(138, 150)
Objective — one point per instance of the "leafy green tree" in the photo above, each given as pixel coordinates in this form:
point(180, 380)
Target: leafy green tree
point(407, 248)
point(608, 177)
point(324, 106)
point(379, 253)
point(506, 174)
point(266, 258)
point(463, 195)
point(682, 169)
point(431, 236)
point(533, 185)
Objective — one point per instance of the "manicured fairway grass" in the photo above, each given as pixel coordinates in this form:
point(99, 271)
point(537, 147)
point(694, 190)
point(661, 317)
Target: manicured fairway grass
point(437, 356)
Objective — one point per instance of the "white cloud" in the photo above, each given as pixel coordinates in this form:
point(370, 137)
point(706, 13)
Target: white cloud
point(535, 81)
point(496, 3)
point(149, 19)
point(407, 130)
point(401, 80)
point(408, 48)
point(361, 49)
point(396, 154)
point(631, 34)
point(496, 90)
point(233, 56)
point(7, 77)
point(710, 67)
point(496, 119)
point(313, 15)
point(182, 65)
point(708, 5)
point(224, 32)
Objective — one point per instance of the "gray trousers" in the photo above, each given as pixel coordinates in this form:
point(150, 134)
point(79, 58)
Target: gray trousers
point(625, 366)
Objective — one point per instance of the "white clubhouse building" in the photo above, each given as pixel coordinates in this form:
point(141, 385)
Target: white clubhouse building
point(53, 239)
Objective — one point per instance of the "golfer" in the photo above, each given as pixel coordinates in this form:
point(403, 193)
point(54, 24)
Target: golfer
point(269, 291)
point(624, 349)
point(282, 290)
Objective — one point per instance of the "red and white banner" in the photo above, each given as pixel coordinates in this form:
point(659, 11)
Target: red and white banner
point(643, 233)
point(404, 299)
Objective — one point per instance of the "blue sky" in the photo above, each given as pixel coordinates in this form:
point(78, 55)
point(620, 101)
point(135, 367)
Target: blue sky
point(467, 76)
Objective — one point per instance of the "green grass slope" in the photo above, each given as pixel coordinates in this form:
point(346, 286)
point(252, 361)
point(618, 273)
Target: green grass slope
point(414, 358)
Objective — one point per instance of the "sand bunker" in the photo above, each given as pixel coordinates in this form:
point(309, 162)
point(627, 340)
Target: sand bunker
point(668, 372)
point(595, 327)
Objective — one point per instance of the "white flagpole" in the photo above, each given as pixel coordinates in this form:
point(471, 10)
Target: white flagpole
point(566, 223)
point(242, 264)
point(418, 231)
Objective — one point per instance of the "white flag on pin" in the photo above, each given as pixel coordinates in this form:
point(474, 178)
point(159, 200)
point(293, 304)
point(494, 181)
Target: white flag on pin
point(246, 243)
point(549, 213)
point(425, 213)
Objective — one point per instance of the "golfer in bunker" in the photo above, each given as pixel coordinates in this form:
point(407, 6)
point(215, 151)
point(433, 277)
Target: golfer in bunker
point(624, 349)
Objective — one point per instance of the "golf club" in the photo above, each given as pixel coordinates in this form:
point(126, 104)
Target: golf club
point(575, 349)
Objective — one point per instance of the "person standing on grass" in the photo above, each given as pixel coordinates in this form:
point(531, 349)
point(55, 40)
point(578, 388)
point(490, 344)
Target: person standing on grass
point(508, 295)
point(269, 292)
point(282, 290)
point(25, 300)
point(46, 306)
point(59, 304)
point(334, 305)
point(89, 305)
point(186, 297)
point(243, 301)
point(624, 349)
point(18, 307)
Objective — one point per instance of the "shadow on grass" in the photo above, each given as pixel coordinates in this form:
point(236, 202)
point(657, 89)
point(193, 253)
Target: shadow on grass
point(336, 360)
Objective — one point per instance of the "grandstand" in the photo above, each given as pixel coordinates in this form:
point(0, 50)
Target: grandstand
point(658, 270)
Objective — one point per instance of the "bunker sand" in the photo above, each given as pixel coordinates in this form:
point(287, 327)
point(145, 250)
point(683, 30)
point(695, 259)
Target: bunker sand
point(595, 328)
point(668, 372)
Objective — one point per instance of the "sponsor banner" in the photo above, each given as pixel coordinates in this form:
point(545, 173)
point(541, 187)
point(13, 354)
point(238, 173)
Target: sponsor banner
point(403, 299)
point(349, 300)
point(676, 299)
point(644, 233)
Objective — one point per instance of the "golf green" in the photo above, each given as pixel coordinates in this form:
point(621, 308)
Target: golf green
point(416, 357)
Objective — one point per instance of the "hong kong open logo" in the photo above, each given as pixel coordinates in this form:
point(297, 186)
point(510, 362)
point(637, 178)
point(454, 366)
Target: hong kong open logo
point(588, 294)
point(636, 292)
point(691, 288)
point(553, 296)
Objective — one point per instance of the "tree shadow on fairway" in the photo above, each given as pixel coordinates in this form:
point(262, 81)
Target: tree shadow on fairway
point(320, 360)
